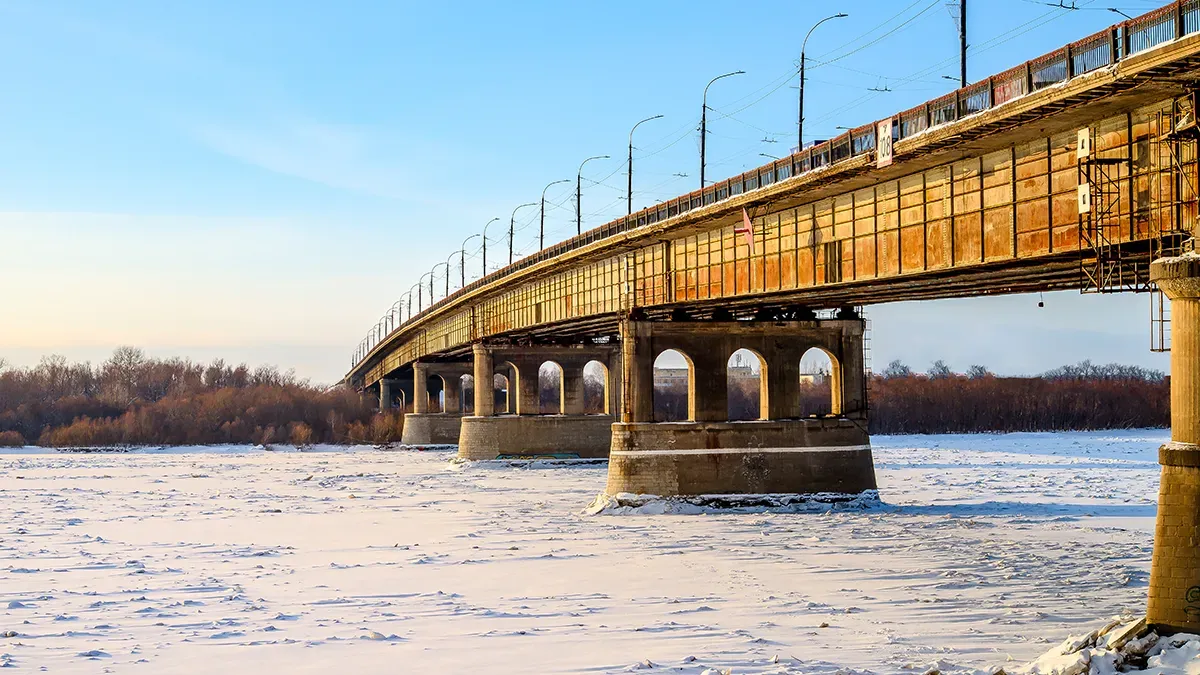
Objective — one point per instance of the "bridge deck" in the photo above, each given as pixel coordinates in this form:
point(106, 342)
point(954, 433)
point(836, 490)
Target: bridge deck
point(984, 203)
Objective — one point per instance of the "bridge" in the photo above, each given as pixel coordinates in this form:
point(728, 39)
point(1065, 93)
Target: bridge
point(1075, 170)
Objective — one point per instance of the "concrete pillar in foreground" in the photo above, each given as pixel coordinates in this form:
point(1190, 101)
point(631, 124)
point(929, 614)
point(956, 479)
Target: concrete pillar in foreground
point(452, 395)
point(637, 374)
point(420, 389)
point(1175, 569)
point(528, 394)
point(485, 394)
point(385, 394)
point(572, 390)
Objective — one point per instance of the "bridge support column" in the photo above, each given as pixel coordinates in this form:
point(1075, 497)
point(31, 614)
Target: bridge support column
point(385, 394)
point(1174, 602)
point(422, 427)
point(708, 454)
point(485, 372)
point(420, 391)
point(529, 433)
point(452, 395)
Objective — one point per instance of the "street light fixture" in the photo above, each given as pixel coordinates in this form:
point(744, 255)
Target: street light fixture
point(485, 227)
point(462, 258)
point(579, 194)
point(445, 293)
point(629, 187)
point(392, 313)
point(410, 290)
point(403, 303)
point(542, 219)
point(512, 222)
point(763, 154)
point(421, 289)
point(800, 114)
point(462, 267)
point(704, 119)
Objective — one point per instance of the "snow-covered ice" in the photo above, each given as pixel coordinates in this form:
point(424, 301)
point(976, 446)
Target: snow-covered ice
point(983, 551)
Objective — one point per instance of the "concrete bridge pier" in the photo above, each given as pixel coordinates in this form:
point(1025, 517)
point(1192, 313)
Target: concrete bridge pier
point(431, 381)
point(1175, 568)
point(782, 452)
point(387, 397)
point(523, 428)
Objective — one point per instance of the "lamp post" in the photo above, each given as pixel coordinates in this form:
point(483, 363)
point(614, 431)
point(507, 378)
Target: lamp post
point(409, 294)
point(512, 222)
point(403, 303)
point(542, 219)
point(459, 253)
point(704, 119)
point(446, 293)
point(421, 289)
point(462, 260)
point(392, 314)
point(579, 194)
point(800, 113)
point(629, 185)
point(485, 227)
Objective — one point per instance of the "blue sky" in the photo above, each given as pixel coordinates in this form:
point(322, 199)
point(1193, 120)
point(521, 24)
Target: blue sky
point(261, 180)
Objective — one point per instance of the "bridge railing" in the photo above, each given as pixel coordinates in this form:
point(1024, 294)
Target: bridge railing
point(1094, 52)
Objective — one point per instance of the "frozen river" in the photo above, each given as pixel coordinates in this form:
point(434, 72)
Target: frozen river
point(234, 560)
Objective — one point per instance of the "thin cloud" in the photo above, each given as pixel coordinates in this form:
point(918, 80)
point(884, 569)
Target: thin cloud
point(338, 156)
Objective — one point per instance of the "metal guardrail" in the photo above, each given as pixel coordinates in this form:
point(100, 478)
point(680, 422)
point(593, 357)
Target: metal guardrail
point(1100, 50)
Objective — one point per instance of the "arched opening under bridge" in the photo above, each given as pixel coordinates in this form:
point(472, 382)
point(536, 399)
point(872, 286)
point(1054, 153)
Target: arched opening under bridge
point(674, 387)
point(502, 393)
point(595, 389)
point(466, 394)
point(435, 390)
point(820, 384)
point(550, 389)
point(746, 378)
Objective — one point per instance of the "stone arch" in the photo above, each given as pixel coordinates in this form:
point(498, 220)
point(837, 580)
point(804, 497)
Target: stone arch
point(820, 383)
point(504, 383)
point(596, 395)
point(746, 382)
point(550, 388)
point(674, 387)
point(466, 394)
point(435, 389)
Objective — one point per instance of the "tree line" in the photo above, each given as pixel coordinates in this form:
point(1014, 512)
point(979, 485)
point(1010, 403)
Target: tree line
point(132, 399)
point(900, 401)
point(1070, 398)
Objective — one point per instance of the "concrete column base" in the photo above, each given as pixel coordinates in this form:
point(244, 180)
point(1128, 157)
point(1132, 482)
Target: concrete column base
point(431, 429)
point(759, 457)
point(1174, 601)
point(520, 436)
